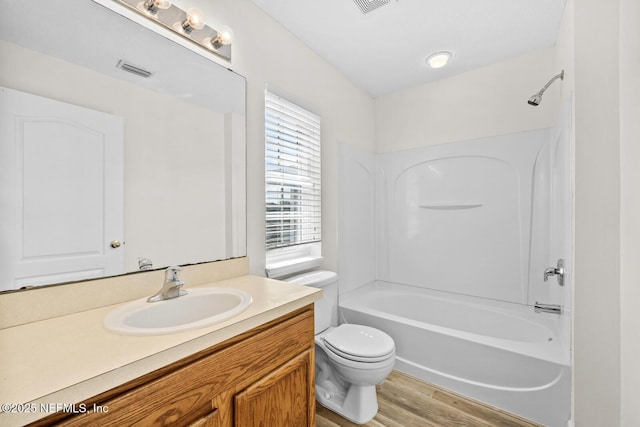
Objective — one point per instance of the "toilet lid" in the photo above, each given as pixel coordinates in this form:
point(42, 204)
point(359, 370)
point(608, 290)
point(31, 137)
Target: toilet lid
point(361, 343)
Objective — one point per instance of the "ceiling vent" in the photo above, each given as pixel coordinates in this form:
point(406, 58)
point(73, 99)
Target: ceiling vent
point(367, 6)
point(134, 69)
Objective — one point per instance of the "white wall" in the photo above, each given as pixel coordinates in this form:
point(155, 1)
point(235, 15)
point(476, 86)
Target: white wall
point(630, 209)
point(489, 101)
point(601, 41)
point(597, 362)
point(265, 53)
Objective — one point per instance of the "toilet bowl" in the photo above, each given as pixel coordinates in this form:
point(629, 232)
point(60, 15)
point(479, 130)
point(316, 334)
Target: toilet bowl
point(345, 383)
point(350, 359)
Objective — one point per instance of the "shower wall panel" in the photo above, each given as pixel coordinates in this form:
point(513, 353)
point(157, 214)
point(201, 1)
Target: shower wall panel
point(458, 217)
point(356, 217)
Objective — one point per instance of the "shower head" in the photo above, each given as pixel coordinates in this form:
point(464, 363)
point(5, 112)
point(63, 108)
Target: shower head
point(536, 99)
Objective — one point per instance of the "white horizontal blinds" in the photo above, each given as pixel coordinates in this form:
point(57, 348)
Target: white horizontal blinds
point(292, 172)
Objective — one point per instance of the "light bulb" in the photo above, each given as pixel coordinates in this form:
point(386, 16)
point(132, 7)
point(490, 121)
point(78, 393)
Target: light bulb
point(151, 6)
point(194, 20)
point(162, 4)
point(223, 37)
point(438, 59)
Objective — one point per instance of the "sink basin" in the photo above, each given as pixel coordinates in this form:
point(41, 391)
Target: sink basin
point(199, 308)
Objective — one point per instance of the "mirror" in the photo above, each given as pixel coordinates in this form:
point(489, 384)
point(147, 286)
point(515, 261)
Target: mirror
point(171, 192)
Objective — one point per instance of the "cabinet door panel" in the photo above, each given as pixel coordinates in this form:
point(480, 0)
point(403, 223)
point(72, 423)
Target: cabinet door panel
point(221, 415)
point(212, 419)
point(281, 398)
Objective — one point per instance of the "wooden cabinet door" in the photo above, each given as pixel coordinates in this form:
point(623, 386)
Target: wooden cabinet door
point(284, 398)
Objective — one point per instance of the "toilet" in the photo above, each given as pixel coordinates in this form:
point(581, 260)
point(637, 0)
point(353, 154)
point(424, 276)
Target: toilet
point(350, 359)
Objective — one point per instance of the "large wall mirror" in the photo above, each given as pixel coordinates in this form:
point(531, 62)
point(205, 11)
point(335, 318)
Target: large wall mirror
point(120, 149)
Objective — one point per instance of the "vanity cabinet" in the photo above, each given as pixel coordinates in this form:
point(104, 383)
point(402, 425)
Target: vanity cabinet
point(263, 377)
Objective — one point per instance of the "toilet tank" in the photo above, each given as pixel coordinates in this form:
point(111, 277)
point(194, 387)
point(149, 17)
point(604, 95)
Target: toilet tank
point(326, 308)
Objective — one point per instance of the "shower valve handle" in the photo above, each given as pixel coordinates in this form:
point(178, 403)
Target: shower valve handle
point(556, 271)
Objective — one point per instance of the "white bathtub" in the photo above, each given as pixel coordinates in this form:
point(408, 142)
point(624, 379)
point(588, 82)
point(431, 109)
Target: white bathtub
point(500, 353)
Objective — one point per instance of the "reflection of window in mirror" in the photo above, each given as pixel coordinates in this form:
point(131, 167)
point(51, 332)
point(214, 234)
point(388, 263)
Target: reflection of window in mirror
point(292, 187)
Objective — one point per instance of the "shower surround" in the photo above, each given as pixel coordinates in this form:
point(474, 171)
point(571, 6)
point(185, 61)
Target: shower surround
point(444, 248)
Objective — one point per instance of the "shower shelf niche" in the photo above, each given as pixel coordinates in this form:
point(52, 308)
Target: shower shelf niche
point(450, 206)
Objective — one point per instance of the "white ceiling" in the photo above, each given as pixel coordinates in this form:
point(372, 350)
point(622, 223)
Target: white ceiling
point(384, 50)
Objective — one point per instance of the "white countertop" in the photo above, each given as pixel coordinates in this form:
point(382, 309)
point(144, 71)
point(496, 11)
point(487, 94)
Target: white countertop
point(67, 359)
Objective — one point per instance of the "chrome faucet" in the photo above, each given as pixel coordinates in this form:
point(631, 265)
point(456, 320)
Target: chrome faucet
point(556, 271)
point(170, 288)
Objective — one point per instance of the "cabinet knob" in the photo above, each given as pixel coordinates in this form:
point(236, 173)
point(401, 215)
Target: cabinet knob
point(115, 244)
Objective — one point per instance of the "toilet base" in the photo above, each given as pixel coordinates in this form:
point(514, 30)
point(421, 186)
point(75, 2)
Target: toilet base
point(359, 404)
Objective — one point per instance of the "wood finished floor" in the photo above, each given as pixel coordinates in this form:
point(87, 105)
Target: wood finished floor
point(406, 402)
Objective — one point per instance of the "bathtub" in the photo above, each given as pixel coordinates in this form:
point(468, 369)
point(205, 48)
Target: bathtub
point(502, 354)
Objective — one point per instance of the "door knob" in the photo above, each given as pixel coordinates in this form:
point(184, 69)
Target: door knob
point(115, 244)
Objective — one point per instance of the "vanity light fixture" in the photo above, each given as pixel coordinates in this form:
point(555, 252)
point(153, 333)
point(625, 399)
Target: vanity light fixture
point(188, 24)
point(438, 59)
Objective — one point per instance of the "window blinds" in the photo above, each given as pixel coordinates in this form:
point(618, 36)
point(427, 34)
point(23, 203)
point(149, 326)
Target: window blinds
point(292, 174)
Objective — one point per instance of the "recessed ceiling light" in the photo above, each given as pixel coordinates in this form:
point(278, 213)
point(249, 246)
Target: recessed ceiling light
point(438, 59)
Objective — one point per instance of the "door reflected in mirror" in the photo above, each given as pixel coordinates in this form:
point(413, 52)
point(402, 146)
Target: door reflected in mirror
point(164, 182)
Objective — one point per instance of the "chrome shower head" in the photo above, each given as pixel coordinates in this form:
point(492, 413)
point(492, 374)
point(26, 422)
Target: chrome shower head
point(536, 99)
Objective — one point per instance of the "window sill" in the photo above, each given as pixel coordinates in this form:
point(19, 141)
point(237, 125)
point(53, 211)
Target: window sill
point(288, 267)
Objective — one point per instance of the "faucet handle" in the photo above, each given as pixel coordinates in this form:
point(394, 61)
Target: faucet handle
point(557, 271)
point(173, 284)
point(172, 273)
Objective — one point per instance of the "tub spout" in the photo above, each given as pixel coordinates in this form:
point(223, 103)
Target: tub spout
point(547, 308)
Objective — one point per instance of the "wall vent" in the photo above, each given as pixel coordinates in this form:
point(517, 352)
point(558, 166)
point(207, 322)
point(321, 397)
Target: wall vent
point(134, 69)
point(367, 6)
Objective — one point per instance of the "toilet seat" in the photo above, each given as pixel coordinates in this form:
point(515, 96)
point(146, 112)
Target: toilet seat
point(360, 343)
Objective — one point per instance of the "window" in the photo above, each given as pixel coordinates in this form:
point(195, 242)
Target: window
point(292, 175)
